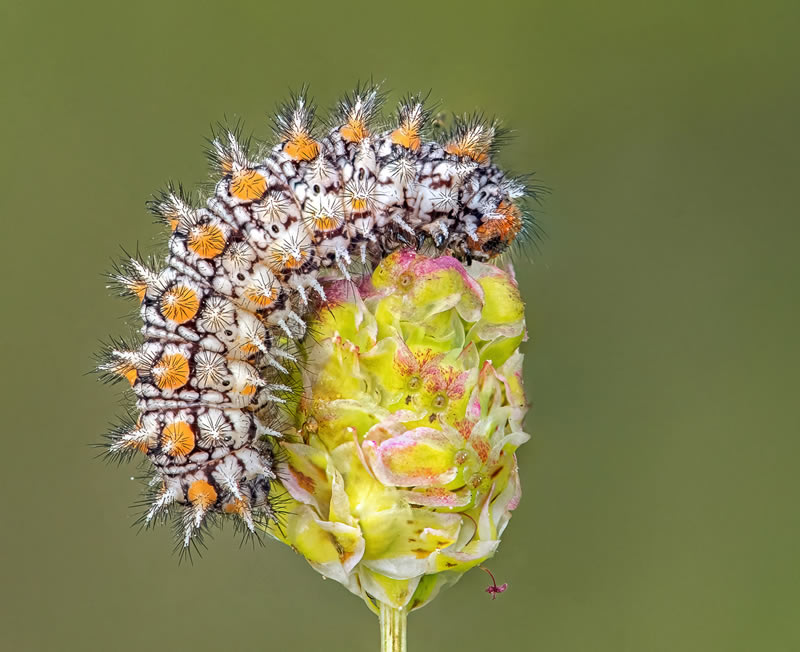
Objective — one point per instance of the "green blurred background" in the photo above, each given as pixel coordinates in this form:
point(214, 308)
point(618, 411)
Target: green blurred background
point(661, 494)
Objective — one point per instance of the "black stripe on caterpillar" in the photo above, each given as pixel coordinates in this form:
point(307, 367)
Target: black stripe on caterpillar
point(222, 318)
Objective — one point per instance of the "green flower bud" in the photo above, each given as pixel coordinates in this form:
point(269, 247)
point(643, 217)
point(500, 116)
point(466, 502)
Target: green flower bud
point(402, 474)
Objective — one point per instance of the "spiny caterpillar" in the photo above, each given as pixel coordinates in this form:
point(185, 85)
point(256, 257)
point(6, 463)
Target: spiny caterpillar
point(223, 316)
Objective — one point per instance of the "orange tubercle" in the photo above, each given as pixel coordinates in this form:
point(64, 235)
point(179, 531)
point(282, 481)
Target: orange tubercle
point(238, 506)
point(206, 240)
point(248, 390)
point(359, 204)
point(202, 494)
point(406, 137)
point(302, 148)
point(177, 438)
point(293, 262)
point(325, 223)
point(262, 297)
point(140, 446)
point(139, 288)
point(469, 150)
point(281, 259)
point(248, 185)
point(354, 131)
point(226, 164)
point(249, 348)
point(179, 304)
point(171, 372)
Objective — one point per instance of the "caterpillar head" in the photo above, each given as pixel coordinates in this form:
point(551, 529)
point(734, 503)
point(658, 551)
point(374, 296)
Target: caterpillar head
point(497, 230)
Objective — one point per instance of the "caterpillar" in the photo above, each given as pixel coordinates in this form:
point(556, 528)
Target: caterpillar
point(222, 316)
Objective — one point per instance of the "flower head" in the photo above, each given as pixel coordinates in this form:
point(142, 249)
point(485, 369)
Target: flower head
point(402, 474)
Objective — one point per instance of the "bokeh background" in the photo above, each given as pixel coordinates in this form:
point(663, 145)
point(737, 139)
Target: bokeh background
point(661, 488)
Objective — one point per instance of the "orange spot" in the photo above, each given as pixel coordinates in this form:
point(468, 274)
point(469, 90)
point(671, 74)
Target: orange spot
point(303, 480)
point(293, 262)
point(179, 304)
point(358, 203)
point(140, 446)
point(248, 185)
point(138, 288)
point(123, 370)
point(238, 506)
point(171, 372)
point(471, 150)
point(171, 217)
point(137, 445)
point(206, 240)
point(202, 494)
point(262, 297)
point(226, 165)
point(177, 438)
point(406, 137)
point(302, 148)
point(354, 131)
point(280, 259)
point(130, 375)
point(249, 348)
point(325, 223)
point(248, 390)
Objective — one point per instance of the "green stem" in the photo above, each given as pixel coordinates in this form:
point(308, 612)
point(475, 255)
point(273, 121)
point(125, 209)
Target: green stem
point(393, 628)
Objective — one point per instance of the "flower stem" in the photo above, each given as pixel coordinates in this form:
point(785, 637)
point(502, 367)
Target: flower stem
point(393, 628)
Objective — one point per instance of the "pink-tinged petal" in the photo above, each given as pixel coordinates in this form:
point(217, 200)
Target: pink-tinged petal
point(388, 428)
point(300, 486)
point(469, 358)
point(365, 287)
point(405, 362)
point(512, 274)
point(338, 292)
point(457, 385)
point(438, 497)
point(513, 440)
point(486, 526)
point(511, 376)
point(480, 446)
point(386, 274)
point(464, 428)
point(487, 372)
point(422, 457)
point(503, 515)
point(360, 453)
point(473, 412)
point(431, 266)
point(435, 380)
point(515, 499)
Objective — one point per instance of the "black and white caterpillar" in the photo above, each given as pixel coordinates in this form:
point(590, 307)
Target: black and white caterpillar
point(221, 319)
